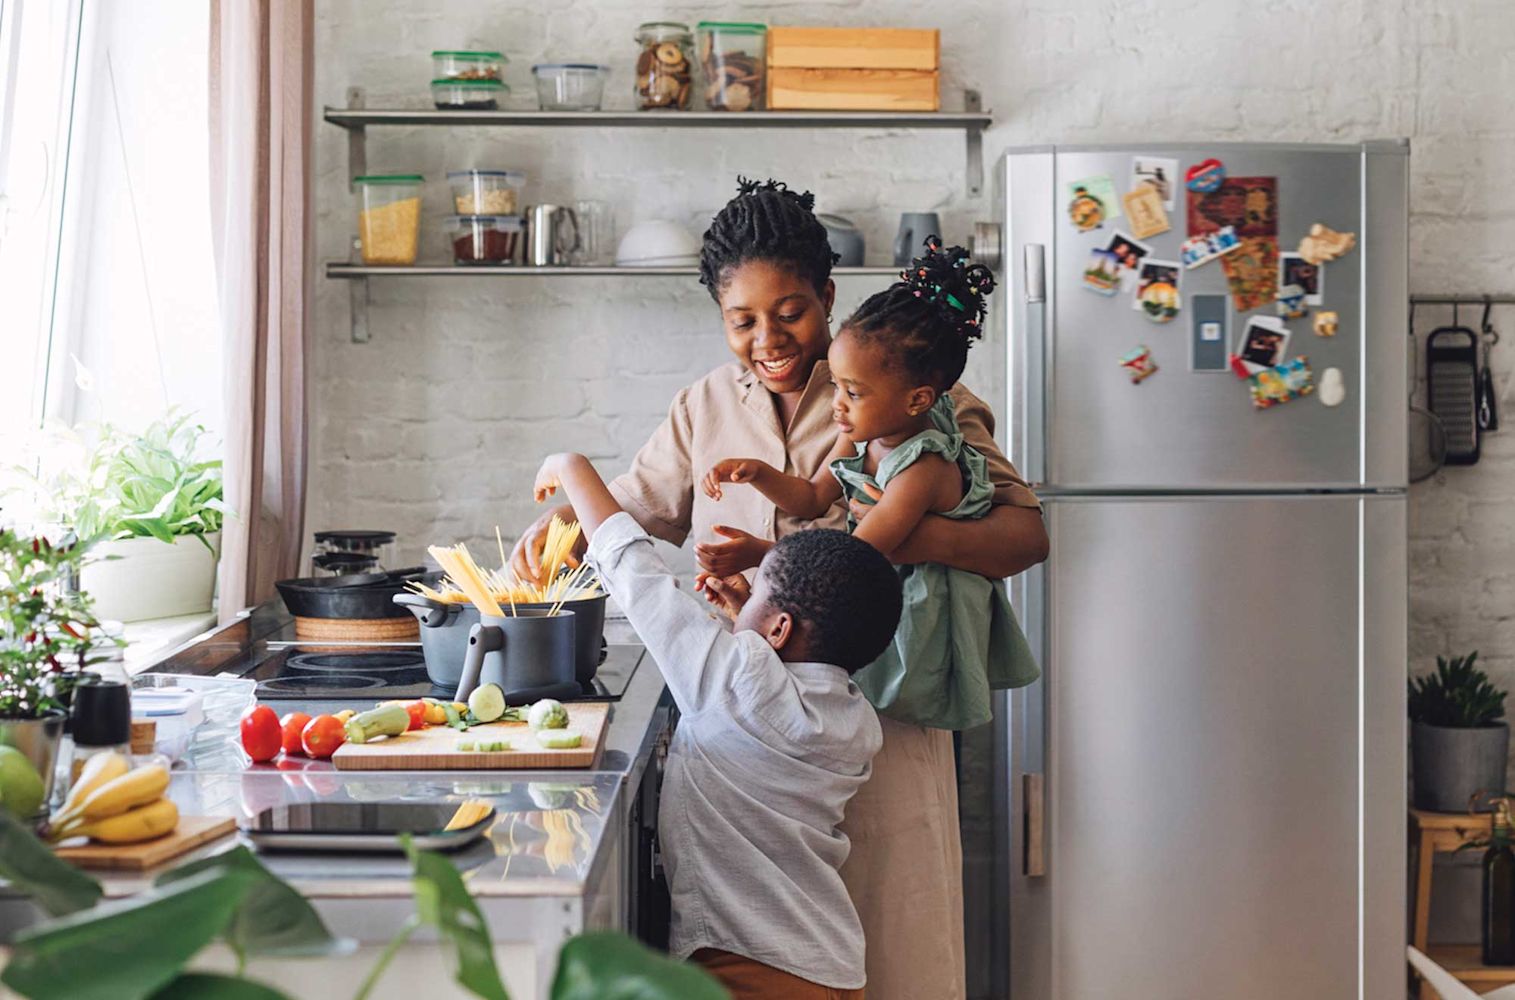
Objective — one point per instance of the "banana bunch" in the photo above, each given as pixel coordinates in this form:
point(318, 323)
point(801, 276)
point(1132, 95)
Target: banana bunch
point(116, 805)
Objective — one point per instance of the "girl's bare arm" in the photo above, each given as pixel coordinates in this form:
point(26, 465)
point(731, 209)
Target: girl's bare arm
point(806, 498)
point(909, 498)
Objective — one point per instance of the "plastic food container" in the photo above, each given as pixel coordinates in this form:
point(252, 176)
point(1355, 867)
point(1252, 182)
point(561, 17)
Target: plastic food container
point(468, 95)
point(484, 239)
point(389, 222)
point(467, 65)
point(664, 70)
point(569, 86)
point(731, 58)
point(486, 192)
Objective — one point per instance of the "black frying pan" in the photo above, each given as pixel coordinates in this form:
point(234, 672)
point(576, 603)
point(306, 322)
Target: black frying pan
point(355, 596)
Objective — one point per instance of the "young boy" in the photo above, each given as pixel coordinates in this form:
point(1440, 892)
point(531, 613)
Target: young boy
point(773, 739)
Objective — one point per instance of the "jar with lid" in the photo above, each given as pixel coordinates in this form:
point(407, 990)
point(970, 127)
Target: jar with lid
point(732, 65)
point(389, 222)
point(664, 70)
point(100, 717)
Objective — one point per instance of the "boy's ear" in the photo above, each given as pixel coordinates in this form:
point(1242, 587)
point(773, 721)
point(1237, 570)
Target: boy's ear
point(779, 631)
point(921, 399)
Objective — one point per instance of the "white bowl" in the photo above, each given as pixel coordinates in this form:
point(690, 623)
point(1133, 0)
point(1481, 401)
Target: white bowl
point(657, 242)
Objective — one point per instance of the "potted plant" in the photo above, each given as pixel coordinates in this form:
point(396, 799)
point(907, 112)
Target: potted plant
point(1458, 742)
point(149, 508)
point(47, 631)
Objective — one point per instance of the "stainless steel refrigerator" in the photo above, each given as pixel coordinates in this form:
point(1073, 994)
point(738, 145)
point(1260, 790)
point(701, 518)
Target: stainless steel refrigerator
point(1205, 794)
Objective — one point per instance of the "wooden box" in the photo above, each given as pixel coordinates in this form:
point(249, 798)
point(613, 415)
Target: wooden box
point(854, 48)
point(853, 90)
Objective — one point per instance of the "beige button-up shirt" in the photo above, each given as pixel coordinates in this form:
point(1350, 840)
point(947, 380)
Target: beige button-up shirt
point(729, 414)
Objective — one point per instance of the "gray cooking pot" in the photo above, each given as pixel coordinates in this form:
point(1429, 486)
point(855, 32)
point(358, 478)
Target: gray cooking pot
point(529, 654)
point(445, 627)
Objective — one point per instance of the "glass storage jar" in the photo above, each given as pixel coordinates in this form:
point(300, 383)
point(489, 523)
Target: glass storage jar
point(486, 192)
point(664, 70)
point(483, 239)
point(468, 95)
point(467, 65)
point(732, 65)
point(569, 86)
point(389, 222)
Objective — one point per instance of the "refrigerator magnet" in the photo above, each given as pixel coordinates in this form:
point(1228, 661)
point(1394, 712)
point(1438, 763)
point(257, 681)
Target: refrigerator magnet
point(1138, 363)
point(1129, 254)
point(1291, 302)
point(1281, 383)
point(1248, 203)
point(1197, 250)
point(1157, 173)
point(1144, 207)
point(1092, 203)
point(1205, 176)
point(1252, 272)
point(1263, 343)
point(1157, 294)
point(1102, 275)
point(1326, 323)
point(1333, 388)
point(1325, 243)
point(1293, 269)
point(1208, 344)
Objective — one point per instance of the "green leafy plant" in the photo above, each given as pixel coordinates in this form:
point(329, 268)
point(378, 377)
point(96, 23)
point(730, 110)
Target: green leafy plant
point(1457, 696)
point(47, 628)
point(137, 948)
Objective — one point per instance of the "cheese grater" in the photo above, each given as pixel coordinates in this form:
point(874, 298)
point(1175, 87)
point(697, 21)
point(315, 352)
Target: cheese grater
point(1452, 383)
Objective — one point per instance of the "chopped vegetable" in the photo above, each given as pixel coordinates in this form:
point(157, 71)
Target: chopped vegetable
point(386, 720)
point(558, 739)
point(455, 719)
point(434, 712)
point(468, 746)
point(483, 746)
point(487, 702)
point(547, 714)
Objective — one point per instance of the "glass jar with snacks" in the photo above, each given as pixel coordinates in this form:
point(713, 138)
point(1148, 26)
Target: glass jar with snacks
point(466, 65)
point(483, 239)
point(389, 223)
point(468, 95)
point(569, 86)
point(486, 192)
point(664, 68)
point(731, 59)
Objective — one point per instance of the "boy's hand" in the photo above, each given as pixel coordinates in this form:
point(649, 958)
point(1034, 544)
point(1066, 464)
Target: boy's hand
point(729, 594)
point(731, 470)
point(549, 476)
point(742, 552)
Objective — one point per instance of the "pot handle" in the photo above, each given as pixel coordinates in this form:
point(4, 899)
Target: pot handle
point(433, 614)
point(482, 639)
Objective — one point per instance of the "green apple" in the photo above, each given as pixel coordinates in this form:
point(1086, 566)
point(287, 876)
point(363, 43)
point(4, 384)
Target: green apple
point(20, 784)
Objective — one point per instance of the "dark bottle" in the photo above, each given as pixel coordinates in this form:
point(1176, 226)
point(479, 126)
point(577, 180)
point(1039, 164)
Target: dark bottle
point(1499, 891)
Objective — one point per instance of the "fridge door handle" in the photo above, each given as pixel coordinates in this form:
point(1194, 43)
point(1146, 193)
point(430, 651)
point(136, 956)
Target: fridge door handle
point(1034, 863)
point(1036, 272)
point(1034, 368)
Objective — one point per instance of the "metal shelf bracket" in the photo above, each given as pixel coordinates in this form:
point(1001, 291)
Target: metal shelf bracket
point(357, 304)
point(974, 163)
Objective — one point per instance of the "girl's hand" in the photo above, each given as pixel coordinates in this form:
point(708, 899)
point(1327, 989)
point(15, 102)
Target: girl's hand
point(859, 509)
point(729, 594)
point(724, 559)
point(730, 470)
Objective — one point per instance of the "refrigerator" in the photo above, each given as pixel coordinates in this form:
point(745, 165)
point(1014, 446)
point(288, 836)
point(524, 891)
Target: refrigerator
point(1204, 795)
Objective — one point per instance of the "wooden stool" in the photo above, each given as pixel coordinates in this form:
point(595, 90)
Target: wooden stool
point(1443, 833)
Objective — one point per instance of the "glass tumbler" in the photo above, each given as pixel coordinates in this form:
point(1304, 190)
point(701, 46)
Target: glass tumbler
point(596, 233)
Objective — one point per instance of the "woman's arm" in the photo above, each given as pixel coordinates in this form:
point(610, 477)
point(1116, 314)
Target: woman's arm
point(1002, 543)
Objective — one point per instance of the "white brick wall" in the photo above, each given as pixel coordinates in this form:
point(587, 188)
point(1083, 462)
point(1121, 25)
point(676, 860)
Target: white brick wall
point(434, 428)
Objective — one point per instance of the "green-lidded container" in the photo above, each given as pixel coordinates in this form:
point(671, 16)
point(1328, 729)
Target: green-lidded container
point(733, 64)
point(389, 217)
point(467, 64)
point(468, 95)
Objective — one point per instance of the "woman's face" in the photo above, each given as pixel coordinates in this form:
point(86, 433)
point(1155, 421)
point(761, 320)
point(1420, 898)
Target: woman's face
point(775, 323)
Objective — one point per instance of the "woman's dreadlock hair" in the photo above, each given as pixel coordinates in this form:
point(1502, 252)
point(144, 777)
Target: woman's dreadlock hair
point(766, 221)
point(928, 319)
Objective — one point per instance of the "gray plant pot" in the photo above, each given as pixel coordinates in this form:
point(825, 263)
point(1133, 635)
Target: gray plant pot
point(38, 739)
point(1452, 765)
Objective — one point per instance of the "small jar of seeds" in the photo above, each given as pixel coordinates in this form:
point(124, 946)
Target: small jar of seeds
point(664, 71)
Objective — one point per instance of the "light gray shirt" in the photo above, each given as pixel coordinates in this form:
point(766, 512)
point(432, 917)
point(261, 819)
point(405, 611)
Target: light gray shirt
point(762, 764)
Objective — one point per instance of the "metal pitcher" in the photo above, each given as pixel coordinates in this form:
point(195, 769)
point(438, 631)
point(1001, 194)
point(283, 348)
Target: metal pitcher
point(529, 654)
point(552, 235)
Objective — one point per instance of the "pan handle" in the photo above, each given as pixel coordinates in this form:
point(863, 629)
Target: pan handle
point(482, 639)
point(433, 614)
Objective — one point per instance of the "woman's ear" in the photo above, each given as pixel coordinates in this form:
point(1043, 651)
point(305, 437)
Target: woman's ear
point(921, 399)
point(779, 631)
point(828, 297)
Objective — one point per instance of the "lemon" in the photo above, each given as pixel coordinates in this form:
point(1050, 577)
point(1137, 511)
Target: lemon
point(20, 784)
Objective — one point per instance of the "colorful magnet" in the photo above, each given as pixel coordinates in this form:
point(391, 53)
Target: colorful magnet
point(1205, 176)
point(1197, 250)
point(1144, 207)
point(1325, 243)
point(1333, 388)
point(1325, 323)
point(1157, 173)
point(1138, 363)
point(1311, 278)
point(1291, 302)
point(1157, 293)
point(1252, 272)
point(1208, 342)
point(1103, 273)
point(1281, 383)
point(1092, 202)
point(1250, 204)
point(1129, 253)
point(1262, 344)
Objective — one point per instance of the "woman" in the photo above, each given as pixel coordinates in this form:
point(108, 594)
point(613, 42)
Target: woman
point(767, 264)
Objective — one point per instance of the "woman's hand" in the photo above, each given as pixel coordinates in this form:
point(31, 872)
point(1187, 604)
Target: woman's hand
point(741, 552)
point(729, 593)
point(731, 470)
point(859, 509)
point(526, 557)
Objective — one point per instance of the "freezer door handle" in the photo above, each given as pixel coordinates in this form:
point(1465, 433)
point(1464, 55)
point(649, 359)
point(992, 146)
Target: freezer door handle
point(1034, 837)
point(1036, 272)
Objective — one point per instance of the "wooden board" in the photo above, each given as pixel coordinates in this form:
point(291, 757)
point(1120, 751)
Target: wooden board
point(854, 48)
point(853, 90)
point(191, 832)
point(435, 747)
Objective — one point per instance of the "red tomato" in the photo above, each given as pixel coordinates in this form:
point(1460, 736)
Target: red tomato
point(322, 735)
point(260, 733)
point(417, 711)
point(292, 726)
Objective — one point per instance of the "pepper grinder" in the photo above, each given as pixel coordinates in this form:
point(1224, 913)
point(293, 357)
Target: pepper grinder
point(101, 720)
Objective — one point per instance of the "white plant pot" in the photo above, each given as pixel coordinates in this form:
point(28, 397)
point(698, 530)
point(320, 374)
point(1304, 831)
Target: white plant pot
point(151, 579)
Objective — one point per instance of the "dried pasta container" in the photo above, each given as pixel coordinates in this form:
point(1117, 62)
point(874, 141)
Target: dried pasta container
point(486, 192)
point(464, 64)
point(468, 95)
point(483, 239)
point(731, 64)
point(665, 66)
point(389, 222)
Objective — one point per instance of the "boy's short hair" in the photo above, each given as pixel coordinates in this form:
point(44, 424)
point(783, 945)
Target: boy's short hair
point(842, 587)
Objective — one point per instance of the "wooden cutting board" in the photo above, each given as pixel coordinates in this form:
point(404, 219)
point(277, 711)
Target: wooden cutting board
point(191, 832)
point(434, 748)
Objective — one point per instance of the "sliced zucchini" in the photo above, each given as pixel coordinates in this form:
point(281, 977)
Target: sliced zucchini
point(487, 702)
point(558, 739)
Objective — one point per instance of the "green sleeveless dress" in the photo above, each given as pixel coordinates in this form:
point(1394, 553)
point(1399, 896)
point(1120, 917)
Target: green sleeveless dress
point(958, 637)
